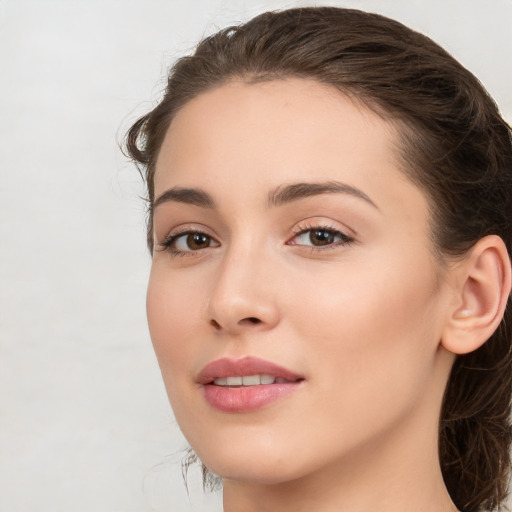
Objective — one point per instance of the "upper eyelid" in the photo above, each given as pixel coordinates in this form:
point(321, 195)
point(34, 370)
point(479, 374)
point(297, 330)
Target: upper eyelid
point(326, 227)
point(344, 236)
point(327, 224)
point(185, 231)
point(189, 228)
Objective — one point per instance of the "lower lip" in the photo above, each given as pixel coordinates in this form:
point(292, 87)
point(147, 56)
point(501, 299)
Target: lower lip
point(246, 399)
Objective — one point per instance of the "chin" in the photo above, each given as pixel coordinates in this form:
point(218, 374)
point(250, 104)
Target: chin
point(259, 463)
point(243, 465)
point(254, 472)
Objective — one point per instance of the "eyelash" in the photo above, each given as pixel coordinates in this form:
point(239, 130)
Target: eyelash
point(345, 239)
point(169, 243)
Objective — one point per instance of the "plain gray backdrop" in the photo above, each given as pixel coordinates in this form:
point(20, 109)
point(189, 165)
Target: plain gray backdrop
point(84, 420)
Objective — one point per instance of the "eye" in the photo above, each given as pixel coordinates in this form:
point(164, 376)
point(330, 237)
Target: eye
point(320, 237)
point(187, 242)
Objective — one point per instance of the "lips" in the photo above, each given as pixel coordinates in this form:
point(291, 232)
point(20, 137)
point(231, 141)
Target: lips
point(247, 384)
point(224, 368)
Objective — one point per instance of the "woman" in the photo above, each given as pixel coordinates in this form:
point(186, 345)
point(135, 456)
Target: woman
point(329, 219)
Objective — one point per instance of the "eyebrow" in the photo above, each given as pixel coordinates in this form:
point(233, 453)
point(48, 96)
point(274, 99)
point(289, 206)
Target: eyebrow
point(194, 196)
point(278, 197)
point(296, 191)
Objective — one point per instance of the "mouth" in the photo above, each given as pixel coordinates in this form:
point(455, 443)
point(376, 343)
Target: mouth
point(248, 380)
point(246, 385)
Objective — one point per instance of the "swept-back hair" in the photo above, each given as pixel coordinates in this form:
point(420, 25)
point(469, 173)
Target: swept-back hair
point(454, 146)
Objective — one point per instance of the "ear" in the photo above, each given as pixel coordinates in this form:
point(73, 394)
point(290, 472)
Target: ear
point(482, 291)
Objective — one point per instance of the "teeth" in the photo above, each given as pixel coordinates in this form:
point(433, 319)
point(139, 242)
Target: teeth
point(251, 380)
point(248, 380)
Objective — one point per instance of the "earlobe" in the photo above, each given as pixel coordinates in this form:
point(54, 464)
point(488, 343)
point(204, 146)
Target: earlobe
point(482, 293)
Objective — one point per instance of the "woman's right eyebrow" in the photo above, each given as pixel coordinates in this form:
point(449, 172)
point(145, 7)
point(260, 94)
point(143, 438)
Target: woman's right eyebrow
point(192, 196)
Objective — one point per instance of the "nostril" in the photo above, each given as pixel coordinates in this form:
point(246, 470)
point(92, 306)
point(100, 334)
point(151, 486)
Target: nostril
point(215, 324)
point(249, 320)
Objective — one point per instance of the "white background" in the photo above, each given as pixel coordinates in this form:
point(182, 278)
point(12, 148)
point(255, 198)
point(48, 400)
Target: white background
point(84, 420)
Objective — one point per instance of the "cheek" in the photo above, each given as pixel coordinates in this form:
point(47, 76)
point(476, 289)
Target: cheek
point(371, 331)
point(173, 311)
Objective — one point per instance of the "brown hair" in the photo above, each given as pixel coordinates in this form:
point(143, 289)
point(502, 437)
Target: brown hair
point(455, 146)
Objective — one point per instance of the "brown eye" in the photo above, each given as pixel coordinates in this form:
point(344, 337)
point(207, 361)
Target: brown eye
point(322, 237)
point(196, 241)
point(188, 242)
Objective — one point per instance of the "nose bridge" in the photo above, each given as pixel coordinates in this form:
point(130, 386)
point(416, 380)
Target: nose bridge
point(242, 293)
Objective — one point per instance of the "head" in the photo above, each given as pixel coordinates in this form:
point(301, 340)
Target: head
point(448, 151)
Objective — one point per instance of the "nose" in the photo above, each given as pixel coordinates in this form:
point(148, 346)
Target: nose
point(244, 294)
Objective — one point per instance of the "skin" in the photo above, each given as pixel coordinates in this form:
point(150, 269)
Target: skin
point(361, 321)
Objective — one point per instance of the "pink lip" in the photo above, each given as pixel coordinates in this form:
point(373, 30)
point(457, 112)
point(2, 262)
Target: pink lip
point(250, 398)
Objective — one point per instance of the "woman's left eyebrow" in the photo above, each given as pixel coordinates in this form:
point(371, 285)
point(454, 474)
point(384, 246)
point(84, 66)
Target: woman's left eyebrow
point(296, 191)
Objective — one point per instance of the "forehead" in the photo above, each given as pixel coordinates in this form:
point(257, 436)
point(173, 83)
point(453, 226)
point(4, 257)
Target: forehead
point(241, 138)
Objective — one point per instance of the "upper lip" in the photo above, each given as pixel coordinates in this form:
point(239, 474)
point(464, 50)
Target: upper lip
point(225, 367)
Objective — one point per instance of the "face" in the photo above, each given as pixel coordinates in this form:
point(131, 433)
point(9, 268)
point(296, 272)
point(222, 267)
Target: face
point(291, 250)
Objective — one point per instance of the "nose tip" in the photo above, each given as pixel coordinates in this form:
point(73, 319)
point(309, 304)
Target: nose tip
point(232, 315)
point(242, 302)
